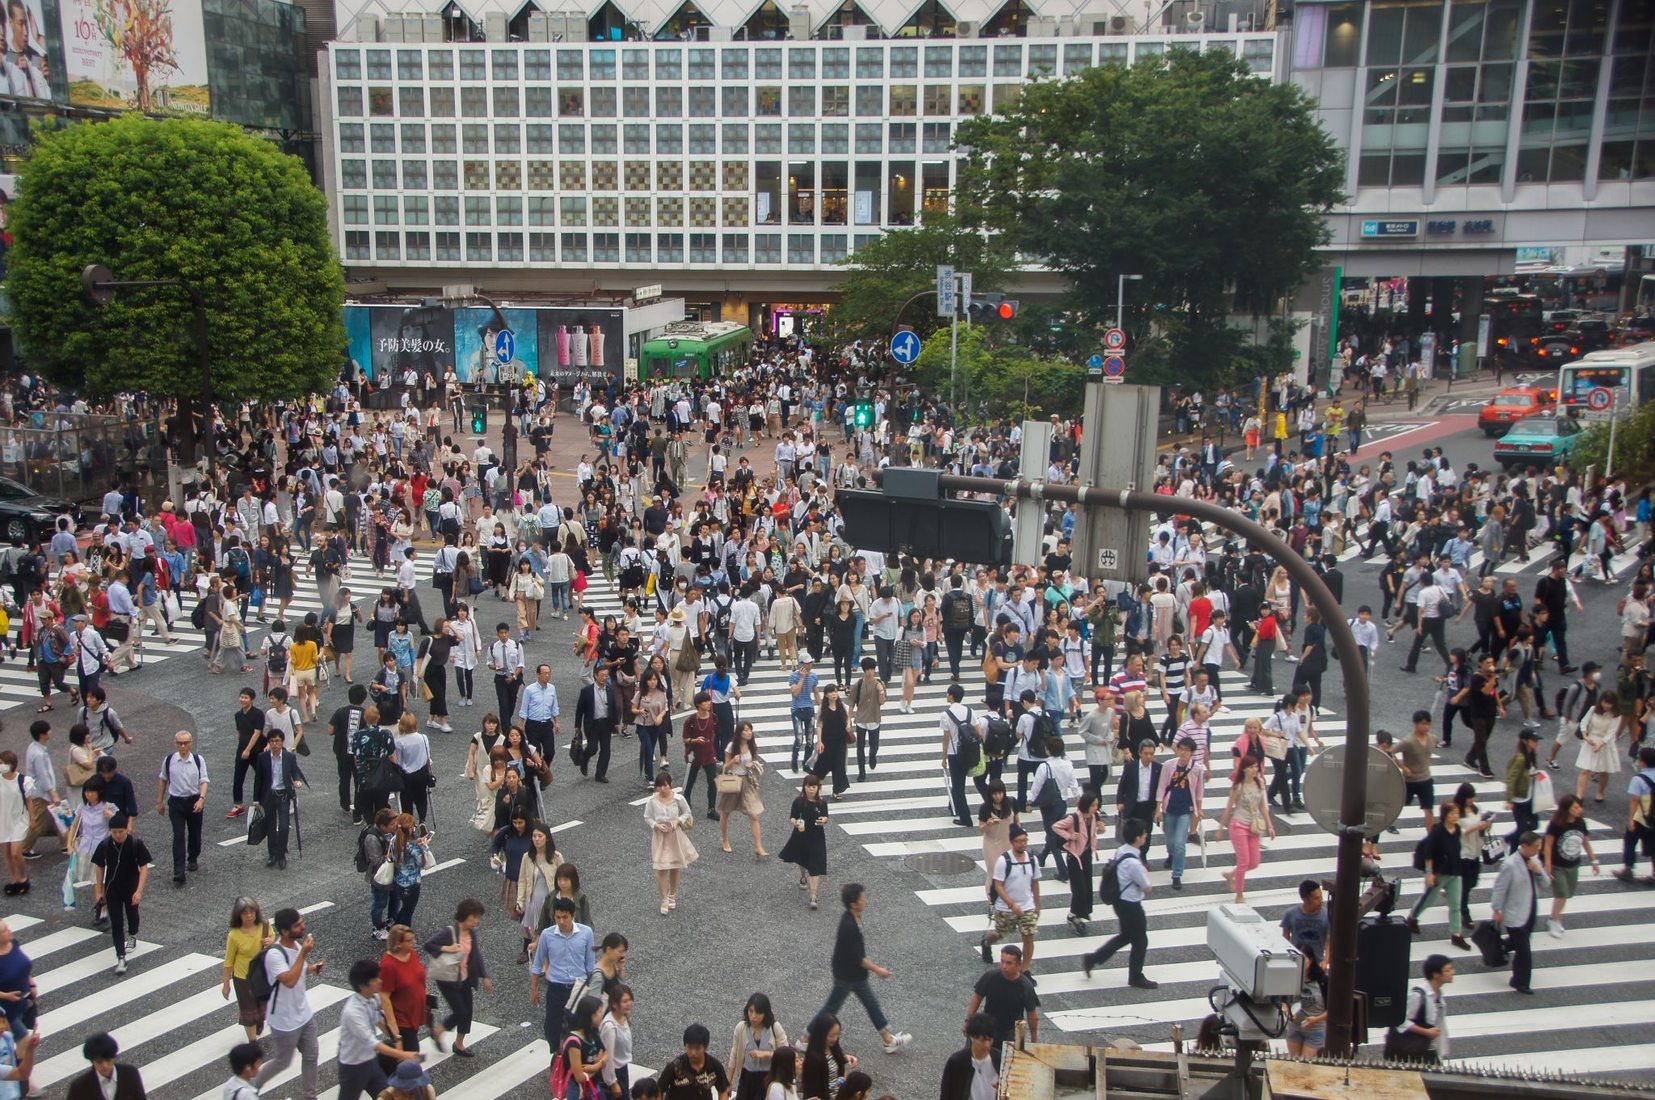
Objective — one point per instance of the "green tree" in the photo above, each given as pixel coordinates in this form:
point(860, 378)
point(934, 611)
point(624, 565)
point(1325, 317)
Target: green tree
point(1634, 446)
point(999, 379)
point(883, 275)
point(1185, 169)
point(176, 199)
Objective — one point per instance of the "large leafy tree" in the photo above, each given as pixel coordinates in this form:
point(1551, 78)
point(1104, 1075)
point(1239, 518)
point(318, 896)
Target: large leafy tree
point(176, 199)
point(1208, 182)
point(886, 273)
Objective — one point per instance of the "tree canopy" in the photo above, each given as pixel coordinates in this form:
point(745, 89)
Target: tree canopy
point(1185, 169)
point(887, 272)
point(175, 199)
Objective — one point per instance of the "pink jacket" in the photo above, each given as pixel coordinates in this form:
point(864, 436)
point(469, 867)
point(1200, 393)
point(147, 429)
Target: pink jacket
point(1079, 833)
point(1198, 783)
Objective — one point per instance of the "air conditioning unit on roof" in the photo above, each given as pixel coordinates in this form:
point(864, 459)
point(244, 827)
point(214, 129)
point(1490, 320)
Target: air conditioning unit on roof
point(1120, 24)
point(967, 28)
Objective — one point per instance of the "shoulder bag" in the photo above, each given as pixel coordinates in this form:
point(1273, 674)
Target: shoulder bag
point(445, 967)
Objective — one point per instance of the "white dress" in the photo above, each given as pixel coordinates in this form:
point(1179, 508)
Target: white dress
point(15, 791)
point(1597, 749)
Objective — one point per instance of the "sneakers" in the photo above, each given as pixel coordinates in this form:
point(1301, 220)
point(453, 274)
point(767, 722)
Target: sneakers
point(235, 812)
point(382, 933)
point(132, 942)
point(899, 1040)
point(1555, 929)
point(1077, 924)
point(1177, 884)
point(120, 964)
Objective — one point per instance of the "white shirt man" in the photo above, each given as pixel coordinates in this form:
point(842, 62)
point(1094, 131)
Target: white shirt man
point(744, 620)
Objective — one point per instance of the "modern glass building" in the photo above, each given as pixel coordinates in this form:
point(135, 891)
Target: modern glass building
point(739, 159)
point(1477, 127)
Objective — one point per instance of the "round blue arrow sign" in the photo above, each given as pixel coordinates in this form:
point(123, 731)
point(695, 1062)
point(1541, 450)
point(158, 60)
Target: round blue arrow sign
point(505, 346)
point(1095, 363)
point(905, 347)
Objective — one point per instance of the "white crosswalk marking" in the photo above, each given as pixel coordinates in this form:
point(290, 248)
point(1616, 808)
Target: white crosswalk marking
point(902, 810)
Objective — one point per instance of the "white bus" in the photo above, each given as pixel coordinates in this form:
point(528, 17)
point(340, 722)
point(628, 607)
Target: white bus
point(1630, 371)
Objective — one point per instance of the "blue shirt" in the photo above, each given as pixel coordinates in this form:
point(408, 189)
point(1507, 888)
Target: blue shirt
point(806, 699)
point(564, 960)
point(538, 703)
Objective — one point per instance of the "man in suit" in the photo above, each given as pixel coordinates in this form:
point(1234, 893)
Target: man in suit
point(106, 1080)
point(597, 713)
point(1136, 796)
point(1514, 907)
point(276, 780)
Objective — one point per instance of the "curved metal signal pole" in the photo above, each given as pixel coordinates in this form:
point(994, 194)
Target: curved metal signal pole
point(1341, 999)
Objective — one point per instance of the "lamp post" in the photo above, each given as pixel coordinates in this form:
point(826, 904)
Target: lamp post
point(100, 285)
point(1120, 298)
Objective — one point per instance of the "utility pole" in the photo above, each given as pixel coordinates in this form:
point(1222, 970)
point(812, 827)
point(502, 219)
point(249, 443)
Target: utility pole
point(1029, 524)
point(1347, 895)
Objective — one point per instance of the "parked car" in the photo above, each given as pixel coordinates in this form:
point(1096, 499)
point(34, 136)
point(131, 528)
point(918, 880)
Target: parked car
point(26, 515)
point(1513, 404)
point(1539, 441)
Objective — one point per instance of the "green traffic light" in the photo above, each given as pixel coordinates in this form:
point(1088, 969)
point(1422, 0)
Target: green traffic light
point(477, 422)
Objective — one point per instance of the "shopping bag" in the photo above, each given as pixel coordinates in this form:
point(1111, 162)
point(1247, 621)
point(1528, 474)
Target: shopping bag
point(1486, 936)
point(69, 881)
point(1543, 800)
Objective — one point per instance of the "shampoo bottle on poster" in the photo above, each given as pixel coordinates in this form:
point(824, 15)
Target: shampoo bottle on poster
point(563, 345)
point(577, 347)
point(597, 346)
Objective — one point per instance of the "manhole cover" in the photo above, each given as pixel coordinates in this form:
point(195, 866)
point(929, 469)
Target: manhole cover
point(941, 863)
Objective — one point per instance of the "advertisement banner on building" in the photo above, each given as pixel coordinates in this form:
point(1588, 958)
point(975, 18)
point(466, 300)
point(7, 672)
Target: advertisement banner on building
point(144, 55)
point(31, 65)
point(557, 344)
point(581, 345)
point(478, 347)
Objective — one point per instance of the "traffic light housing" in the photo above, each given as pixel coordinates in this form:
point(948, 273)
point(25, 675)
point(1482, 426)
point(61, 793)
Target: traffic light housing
point(993, 307)
point(1007, 309)
point(862, 415)
point(479, 419)
point(910, 514)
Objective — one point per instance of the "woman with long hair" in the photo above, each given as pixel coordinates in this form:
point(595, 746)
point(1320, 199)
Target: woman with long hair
point(651, 708)
point(825, 1061)
point(413, 757)
point(615, 1078)
point(506, 851)
point(431, 668)
point(1247, 817)
point(526, 591)
point(339, 633)
point(1474, 826)
point(757, 1042)
point(410, 845)
point(536, 884)
point(806, 846)
point(582, 1052)
point(249, 934)
point(742, 759)
point(1600, 733)
point(912, 638)
point(1078, 832)
point(566, 884)
point(781, 1082)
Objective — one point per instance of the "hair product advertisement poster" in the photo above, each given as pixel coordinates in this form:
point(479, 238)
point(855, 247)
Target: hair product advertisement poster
point(557, 344)
point(144, 55)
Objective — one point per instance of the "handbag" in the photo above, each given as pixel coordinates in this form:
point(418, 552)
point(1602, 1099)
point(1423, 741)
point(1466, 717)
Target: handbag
point(1486, 936)
point(256, 597)
point(445, 967)
point(256, 826)
point(77, 774)
point(589, 986)
point(1410, 1045)
point(474, 585)
point(1494, 849)
point(1542, 800)
point(686, 816)
point(1258, 826)
point(428, 859)
point(728, 783)
point(1275, 747)
point(386, 872)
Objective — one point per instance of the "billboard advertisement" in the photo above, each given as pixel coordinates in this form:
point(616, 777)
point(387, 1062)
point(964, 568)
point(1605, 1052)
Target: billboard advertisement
point(31, 64)
point(144, 55)
point(560, 344)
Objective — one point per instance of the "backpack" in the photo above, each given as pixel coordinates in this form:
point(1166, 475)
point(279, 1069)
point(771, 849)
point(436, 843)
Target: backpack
point(959, 612)
point(1422, 852)
point(968, 743)
point(1109, 885)
point(1050, 797)
point(198, 615)
point(1005, 857)
point(1001, 739)
point(276, 659)
point(1043, 726)
point(166, 766)
point(258, 975)
point(362, 862)
point(562, 1075)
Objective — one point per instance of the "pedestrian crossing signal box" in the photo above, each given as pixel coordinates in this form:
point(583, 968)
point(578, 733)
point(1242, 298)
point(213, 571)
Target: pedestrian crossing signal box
point(479, 419)
point(889, 520)
point(862, 415)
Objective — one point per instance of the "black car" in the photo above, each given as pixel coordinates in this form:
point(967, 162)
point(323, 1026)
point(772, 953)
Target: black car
point(25, 515)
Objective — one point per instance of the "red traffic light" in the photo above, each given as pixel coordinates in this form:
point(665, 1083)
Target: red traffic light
point(1007, 310)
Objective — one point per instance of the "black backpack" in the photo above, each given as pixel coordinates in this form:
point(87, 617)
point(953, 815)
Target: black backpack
point(258, 975)
point(1109, 885)
point(276, 660)
point(968, 743)
point(1001, 740)
point(362, 863)
point(1043, 726)
point(198, 615)
point(959, 611)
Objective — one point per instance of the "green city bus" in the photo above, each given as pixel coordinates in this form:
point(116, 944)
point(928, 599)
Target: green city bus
point(697, 349)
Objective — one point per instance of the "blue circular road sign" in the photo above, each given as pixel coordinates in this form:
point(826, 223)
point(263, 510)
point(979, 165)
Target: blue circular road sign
point(1095, 364)
point(905, 347)
point(505, 346)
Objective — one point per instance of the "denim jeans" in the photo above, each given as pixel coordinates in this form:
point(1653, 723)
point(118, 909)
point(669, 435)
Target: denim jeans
point(649, 749)
point(804, 735)
point(379, 905)
point(1177, 830)
point(404, 899)
point(559, 593)
point(863, 991)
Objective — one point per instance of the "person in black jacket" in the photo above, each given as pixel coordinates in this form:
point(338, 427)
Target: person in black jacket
point(851, 968)
point(276, 780)
point(1139, 788)
point(1439, 857)
point(978, 1059)
point(597, 729)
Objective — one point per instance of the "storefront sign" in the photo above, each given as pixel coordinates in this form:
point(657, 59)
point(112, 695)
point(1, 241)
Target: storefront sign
point(1384, 230)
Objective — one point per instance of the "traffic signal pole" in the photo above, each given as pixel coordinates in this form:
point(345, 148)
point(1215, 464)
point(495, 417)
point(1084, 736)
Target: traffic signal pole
point(1341, 999)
